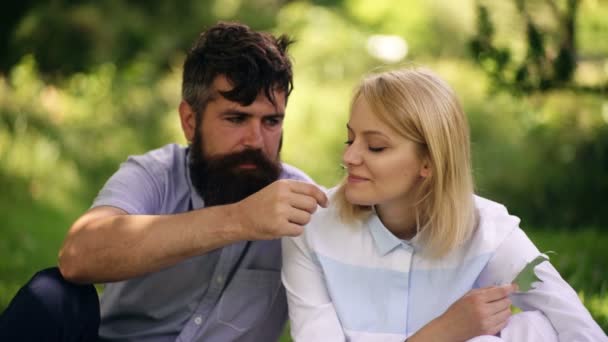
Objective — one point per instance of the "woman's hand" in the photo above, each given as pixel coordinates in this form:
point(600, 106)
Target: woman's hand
point(479, 312)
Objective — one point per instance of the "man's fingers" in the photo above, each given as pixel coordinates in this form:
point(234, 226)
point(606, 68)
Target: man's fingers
point(303, 202)
point(292, 229)
point(298, 216)
point(309, 190)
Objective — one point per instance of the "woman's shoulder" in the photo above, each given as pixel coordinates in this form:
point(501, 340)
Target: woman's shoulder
point(324, 217)
point(494, 223)
point(493, 215)
point(336, 241)
point(327, 226)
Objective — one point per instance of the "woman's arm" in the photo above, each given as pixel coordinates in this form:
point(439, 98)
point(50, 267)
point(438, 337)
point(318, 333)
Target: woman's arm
point(311, 312)
point(314, 318)
point(480, 312)
point(553, 296)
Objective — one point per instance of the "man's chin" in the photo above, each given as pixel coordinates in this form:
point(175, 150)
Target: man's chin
point(230, 178)
point(241, 186)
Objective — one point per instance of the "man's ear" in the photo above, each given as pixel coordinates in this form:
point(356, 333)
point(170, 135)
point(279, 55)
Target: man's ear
point(187, 118)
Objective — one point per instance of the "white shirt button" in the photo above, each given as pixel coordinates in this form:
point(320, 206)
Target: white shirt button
point(198, 320)
point(219, 279)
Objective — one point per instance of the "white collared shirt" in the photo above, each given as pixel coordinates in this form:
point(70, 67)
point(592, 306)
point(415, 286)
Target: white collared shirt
point(361, 283)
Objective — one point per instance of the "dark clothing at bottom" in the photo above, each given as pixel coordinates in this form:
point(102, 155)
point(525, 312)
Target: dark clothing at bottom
point(49, 308)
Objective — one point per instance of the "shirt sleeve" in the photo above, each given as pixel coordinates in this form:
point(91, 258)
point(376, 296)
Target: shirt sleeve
point(311, 312)
point(134, 188)
point(553, 296)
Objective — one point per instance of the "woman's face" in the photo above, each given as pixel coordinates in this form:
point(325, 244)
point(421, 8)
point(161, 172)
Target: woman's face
point(383, 167)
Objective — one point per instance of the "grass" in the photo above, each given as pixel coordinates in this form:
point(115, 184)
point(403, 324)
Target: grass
point(582, 260)
point(31, 234)
point(30, 237)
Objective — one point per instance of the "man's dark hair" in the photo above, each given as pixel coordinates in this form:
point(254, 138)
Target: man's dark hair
point(251, 61)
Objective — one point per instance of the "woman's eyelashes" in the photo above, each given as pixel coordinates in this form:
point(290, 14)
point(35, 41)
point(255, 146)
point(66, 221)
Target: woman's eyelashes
point(374, 149)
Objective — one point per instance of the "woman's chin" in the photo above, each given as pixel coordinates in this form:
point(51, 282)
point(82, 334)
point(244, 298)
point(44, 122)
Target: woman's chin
point(358, 200)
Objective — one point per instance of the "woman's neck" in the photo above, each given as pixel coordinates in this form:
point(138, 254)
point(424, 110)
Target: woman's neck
point(399, 219)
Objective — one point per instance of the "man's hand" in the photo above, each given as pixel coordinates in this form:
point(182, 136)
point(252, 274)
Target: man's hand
point(280, 209)
point(479, 312)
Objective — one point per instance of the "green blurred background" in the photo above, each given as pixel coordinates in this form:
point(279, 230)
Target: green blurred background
point(83, 84)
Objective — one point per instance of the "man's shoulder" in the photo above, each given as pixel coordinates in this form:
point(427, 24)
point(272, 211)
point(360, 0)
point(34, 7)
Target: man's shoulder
point(148, 183)
point(165, 159)
point(292, 172)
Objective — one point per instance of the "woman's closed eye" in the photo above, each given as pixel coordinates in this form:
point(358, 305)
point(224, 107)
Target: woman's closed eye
point(376, 149)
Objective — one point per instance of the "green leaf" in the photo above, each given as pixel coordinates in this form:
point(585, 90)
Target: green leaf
point(526, 276)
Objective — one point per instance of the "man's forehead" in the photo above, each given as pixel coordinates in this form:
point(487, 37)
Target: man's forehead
point(221, 83)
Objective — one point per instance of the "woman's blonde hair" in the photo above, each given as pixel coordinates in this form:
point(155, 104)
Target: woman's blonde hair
point(421, 107)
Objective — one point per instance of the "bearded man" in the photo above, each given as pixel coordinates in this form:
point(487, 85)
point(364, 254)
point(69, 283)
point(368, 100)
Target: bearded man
point(187, 238)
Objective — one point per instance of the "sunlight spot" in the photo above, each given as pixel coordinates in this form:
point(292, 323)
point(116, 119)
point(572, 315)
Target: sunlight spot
point(387, 48)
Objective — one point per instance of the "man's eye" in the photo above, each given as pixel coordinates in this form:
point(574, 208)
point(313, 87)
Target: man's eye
point(348, 142)
point(272, 121)
point(376, 149)
point(236, 119)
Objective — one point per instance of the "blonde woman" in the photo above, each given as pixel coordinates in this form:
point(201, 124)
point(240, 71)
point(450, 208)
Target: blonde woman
point(406, 250)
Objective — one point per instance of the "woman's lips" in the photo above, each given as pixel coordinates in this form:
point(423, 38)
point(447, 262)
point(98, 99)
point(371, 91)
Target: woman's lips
point(356, 179)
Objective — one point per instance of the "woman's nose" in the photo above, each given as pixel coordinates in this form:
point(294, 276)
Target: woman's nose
point(351, 155)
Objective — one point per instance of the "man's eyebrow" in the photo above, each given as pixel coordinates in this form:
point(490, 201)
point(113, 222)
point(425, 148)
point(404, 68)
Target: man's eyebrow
point(228, 112)
point(281, 115)
point(235, 112)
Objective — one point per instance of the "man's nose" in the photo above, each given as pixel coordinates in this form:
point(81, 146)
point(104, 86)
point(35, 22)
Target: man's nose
point(253, 135)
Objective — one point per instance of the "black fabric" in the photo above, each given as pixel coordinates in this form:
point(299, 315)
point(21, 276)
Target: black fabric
point(49, 308)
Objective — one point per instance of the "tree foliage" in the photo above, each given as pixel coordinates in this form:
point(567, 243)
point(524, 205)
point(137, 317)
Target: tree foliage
point(84, 83)
point(551, 54)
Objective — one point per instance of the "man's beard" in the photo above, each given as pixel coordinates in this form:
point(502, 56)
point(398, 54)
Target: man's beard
point(221, 179)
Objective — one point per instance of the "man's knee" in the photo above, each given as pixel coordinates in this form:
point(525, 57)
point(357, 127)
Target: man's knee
point(52, 304)
point(60, 297)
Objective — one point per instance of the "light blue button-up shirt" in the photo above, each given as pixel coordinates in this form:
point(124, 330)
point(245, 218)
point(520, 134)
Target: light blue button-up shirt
point(359, 282)
point(232, 293)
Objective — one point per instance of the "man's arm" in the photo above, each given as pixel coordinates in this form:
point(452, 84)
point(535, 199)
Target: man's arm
point(106, 244)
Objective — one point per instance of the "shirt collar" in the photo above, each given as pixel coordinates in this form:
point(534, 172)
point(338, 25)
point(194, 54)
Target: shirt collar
point(385, 241)
point(195, 199)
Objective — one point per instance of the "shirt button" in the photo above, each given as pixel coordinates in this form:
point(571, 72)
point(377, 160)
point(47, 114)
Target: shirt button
point(219, 279)
point(198, 320)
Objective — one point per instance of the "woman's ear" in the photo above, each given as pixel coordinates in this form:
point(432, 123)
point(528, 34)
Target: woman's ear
point(425, 170)
point(188, 120)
